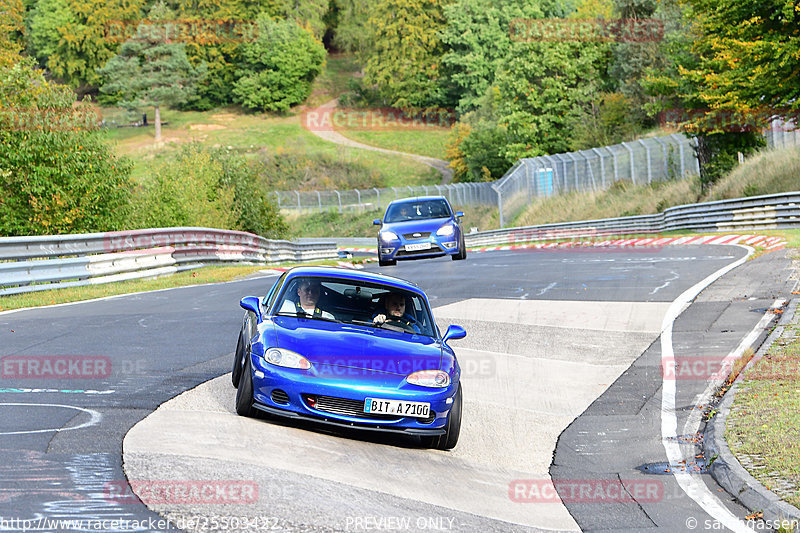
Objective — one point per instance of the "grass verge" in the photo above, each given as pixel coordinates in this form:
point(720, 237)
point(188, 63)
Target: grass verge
point(763, 429)
point(428, 142)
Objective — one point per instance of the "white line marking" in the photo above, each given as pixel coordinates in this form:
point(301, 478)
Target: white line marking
point(691, 484)
point(95, 418)
point(552, 285)
point(675, 276)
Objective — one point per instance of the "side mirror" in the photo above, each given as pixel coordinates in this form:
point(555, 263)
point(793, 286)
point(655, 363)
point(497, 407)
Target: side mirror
point(251, 303)
point(459, 214)
point(376, 222)
point(454, 332)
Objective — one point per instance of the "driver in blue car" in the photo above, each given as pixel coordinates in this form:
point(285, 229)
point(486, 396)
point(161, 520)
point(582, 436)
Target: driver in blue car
point(307, 303)
point(394, 312)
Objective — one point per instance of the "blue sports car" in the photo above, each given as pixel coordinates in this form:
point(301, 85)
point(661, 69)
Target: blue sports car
point(413, 228)
point(349, 348)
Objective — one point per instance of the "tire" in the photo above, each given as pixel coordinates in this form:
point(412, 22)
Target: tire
point(452, 429)
point(238, 355)
point(462, 251)
point(390, 262)
point(244, 394)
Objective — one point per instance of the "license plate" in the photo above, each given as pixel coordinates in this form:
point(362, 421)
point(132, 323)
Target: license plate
point(397, 407)
point(418, 246)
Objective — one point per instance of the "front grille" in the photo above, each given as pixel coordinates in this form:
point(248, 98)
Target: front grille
point(416, 235)
point(432, 250)
point(279, 396)
point(345, 407)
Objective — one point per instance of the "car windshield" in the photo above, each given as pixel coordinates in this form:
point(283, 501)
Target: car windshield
point(356, 302)
point(399, 212)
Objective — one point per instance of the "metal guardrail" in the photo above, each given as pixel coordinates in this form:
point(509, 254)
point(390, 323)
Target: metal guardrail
point(29, 264)
point(774, 211)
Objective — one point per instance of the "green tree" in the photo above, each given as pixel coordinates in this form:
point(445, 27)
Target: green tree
point(687, 86)
point(150, 72)
point(351, 30)
point(72, 36)
point(748, 56)
point(57, 175)
point(477, 36)
point(277, 69)
point(46, 22)
point(11, 29)
point(540, 86)
point(405, 52)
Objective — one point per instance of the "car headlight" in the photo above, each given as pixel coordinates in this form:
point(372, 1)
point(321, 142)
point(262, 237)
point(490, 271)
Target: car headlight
point(387, 236)
point(447, 229)
point(280, 357)
point(436, 379)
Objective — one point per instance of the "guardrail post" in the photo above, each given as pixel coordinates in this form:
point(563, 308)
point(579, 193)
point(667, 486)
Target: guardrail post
point(319, 201)
point(298, 200)
point(360, 205)
point(339, 196)
point(395, 193)
point(633, 169)
point(378, 193)
point(279, 199)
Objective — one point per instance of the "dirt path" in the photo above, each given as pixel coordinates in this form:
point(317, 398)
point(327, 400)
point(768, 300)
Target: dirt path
point(337, 138)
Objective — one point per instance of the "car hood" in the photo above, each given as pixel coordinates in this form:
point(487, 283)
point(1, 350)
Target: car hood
point(358, 347)
point(410, 226)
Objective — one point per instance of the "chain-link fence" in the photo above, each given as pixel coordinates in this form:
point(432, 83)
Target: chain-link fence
point(641, 161)
point(377, 199)
point(779, 137)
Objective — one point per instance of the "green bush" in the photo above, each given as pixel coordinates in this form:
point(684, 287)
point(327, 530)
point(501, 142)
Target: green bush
point(277, 69)
point(214, 189)
point(57, 174)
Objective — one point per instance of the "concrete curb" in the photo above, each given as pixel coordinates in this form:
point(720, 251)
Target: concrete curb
point(726, 469)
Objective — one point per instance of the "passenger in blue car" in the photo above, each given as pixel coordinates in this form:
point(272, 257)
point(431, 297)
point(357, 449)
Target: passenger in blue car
point(308, 292)
point(394, 313)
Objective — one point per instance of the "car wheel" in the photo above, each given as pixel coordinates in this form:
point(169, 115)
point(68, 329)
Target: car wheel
point(244, 394)
point(462, 251)
point(238, 355)
point(452, 429)
point(390, 262)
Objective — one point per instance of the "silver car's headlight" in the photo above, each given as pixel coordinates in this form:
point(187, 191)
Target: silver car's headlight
point(447, 229)
point(435, 379)
point(286, 358)
point(388, 236)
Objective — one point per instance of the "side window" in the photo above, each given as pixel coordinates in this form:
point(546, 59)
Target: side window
point(273, 293)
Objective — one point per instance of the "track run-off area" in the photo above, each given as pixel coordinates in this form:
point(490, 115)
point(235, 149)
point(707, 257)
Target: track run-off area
point(564, 390)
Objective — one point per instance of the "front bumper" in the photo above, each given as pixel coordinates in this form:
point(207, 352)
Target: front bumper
point(396, 250)
point(285, 392)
